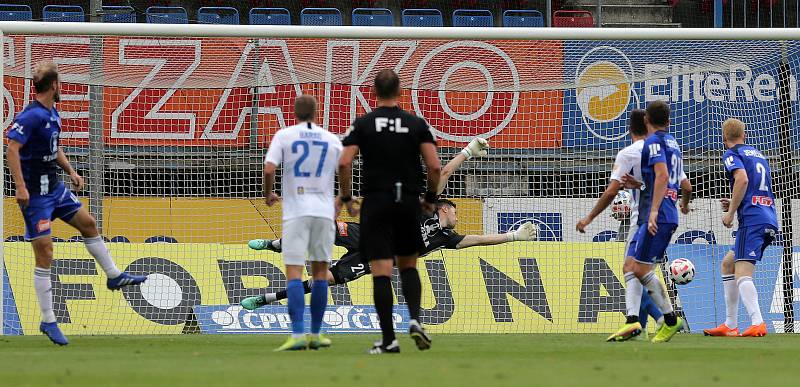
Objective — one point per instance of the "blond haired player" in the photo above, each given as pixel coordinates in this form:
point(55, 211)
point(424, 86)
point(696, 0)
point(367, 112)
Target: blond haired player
point(753, 201)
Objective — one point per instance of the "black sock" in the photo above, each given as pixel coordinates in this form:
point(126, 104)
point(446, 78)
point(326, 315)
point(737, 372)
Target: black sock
point(412, 291)
point(384, 300)
point(281, 295)
point(631, 319)
point(670, 319)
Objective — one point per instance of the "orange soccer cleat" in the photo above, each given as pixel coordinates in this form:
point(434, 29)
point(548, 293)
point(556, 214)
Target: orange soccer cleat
point(756, 331)
point(722, 330)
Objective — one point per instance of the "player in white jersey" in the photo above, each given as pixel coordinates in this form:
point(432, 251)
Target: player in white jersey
point(310, 156)
point(627, 170)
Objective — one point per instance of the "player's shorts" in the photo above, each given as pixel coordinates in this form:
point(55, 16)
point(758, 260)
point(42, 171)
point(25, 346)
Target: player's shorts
point(349, 268)
point(390, 228)
point(752, 241)
point(650, 249)
point(307, 237)
point(60, 203)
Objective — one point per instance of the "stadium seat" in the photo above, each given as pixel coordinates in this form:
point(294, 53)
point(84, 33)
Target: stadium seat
point(573, 19)
point(12, 12)
point(160, 239)
point(15, 238)
point(523, 18)
point(76, 238)
point(218, 15)
point(320, 17)
point(167, 15)
point(120, 239)
point(63, 13)
point(58, 240)
point(422, 18)
point(473, 18)
point(118, 14)
point(372, 17)
point(270, 16)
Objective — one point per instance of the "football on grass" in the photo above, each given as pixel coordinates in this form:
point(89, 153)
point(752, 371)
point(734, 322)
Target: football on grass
point(681, 271)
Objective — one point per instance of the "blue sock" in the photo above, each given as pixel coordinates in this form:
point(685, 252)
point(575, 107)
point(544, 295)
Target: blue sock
point(296, 305)
point(319, 300)
point(648, 307)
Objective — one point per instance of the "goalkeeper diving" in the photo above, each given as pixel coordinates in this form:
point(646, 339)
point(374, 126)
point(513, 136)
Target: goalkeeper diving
point(437, 233)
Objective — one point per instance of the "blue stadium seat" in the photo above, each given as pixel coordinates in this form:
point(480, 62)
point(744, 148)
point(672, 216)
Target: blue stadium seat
point(523, 18)
point(12, 12)
point(218, 15)
point(372, 17)
point(270, 16)
point(473, 18)
point(118, 14)
point(76, 238)
point(422, 18)
point(167, 15)
point(320, 17)
point(161, 239)
point(63, 13)
point(120, 239)
point(15, 238)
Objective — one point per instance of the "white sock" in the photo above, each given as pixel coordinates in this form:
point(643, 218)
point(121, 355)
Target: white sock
point(657, 292)
point(276, 243)
point(731, 300)
point(633, 294)
point(747, 290)
point(97, 248)
point(270, 297)
point(44, 292)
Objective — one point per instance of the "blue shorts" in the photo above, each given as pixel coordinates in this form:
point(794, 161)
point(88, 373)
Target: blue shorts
point(752, 241)
point(650, 249)
point(60, 203)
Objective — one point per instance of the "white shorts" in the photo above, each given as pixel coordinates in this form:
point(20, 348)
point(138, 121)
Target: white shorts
point(307, 237)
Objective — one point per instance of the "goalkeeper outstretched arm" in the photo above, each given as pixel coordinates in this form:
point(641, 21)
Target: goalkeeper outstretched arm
point(526, 232)
point(478, 147)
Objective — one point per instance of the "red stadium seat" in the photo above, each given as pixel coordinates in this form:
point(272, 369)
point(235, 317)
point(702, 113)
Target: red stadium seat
point(573, 19)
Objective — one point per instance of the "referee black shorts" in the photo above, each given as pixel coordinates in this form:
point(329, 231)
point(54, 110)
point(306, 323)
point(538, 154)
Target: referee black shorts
point(390, 228)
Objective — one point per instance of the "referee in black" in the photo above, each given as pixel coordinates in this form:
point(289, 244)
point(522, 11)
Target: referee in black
point(391, 142)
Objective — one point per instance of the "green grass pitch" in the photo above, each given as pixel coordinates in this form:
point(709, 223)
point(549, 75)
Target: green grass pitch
point(454, 360)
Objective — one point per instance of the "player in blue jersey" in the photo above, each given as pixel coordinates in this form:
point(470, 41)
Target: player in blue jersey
point(34, 159)
point(752, 200)
point(663, 177)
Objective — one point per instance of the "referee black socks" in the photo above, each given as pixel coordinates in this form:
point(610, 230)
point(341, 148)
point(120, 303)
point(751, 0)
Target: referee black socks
point(384, 300)
point(412, 291)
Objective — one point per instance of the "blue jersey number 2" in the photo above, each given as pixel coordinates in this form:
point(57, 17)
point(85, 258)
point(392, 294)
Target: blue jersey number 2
point(303, 148)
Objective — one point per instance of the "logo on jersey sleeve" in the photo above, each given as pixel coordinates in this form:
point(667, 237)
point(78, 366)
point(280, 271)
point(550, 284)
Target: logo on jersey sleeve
point(655, 150)
point(729, 161)
point(19, 128)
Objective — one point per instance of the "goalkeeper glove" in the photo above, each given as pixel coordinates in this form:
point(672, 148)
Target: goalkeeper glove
point(477, 147)
point(526, 232)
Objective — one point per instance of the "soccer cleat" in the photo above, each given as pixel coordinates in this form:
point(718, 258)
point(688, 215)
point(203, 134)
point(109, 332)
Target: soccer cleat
point(756, 331)
point(251, 303)
point(53, 333)
point(626, 332)
point(293, 344)
point(318, 341)
point(123, 280)
point(418, 334)
point(722, 330)
point(263, 244)
point(666, 332)
point(378, 348)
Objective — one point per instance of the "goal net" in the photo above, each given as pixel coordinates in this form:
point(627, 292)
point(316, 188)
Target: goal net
point(170, 133)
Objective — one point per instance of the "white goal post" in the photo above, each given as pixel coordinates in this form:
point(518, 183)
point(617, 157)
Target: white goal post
point(169, 124)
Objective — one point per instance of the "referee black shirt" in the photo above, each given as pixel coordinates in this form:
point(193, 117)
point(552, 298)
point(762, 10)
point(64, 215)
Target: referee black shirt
point(389, 139)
